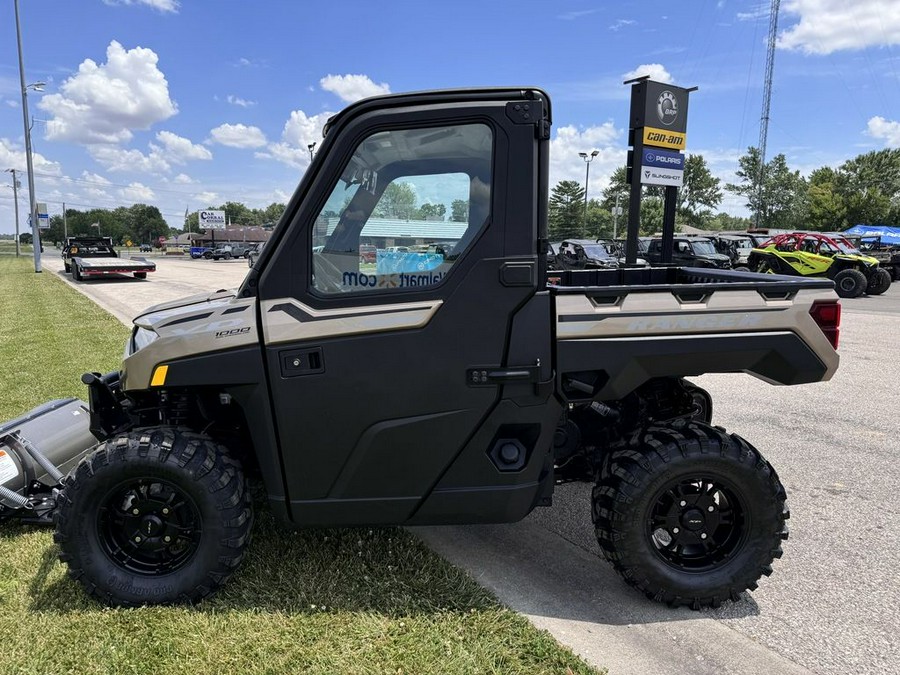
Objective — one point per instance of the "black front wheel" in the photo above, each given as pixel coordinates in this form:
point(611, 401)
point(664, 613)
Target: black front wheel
point(850, 283)
point(155, 516)
point(690, 515)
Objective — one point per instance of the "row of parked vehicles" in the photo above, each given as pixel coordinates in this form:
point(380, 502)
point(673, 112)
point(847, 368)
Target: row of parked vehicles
point(857, 265)
point(224, 251)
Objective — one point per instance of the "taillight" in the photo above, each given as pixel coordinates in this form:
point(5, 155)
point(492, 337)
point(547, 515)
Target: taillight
point(827, 315)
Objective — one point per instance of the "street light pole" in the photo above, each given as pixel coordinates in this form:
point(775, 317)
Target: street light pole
point(35, 238)
point(311, 147)
point(15, 187)
point(587, 173)
point(616, 217)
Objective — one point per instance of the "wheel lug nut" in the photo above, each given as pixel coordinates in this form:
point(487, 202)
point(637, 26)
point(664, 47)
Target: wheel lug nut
point(137, 539)
point(675, 530)
point(135, 511)
point(167, 538)
point(703, 536)
point(683, 503)
point(711, 509)
point(165, 512)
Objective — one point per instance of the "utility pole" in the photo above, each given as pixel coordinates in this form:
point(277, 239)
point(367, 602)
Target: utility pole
point(767, 100)
point(616, 216)
point(35, 235)
point(15, 187)
point(65, 225)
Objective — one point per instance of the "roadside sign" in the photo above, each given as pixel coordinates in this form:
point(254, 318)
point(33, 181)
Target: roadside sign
point(43, 216)
point(665, 138)
point(211, 220)
point(128, 243)
point(662, 167)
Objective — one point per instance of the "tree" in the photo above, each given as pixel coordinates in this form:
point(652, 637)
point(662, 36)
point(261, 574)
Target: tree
point(826, 209)
point(397, 201)
point(270, 215)
point(699, 195)
point(432, 211)
point(459, 211)
point(782, 200)
point(651, 203)
point(566, 213)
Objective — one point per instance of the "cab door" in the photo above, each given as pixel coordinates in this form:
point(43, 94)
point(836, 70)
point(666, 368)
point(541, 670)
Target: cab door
point(379, 371)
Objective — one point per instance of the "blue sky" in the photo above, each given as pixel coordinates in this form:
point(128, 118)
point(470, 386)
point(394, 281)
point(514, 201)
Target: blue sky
point(188, 103)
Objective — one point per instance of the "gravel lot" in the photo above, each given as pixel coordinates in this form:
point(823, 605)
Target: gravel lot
point(833, 604)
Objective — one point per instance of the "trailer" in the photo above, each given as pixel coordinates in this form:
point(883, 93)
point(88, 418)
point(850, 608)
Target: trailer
point(92, 257)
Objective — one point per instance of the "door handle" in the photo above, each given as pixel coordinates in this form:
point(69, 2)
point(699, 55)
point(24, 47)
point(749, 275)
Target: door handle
point(488, 376)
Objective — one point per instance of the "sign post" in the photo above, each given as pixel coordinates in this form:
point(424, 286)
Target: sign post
point(657, 133)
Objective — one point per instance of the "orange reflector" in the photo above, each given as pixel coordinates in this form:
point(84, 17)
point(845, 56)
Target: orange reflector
point(159, 376)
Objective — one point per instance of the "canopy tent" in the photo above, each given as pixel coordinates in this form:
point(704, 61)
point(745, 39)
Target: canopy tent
point(889, 235)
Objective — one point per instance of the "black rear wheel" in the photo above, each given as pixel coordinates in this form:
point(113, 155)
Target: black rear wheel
point(879, 282)
point(690, 515)
point(155, 516)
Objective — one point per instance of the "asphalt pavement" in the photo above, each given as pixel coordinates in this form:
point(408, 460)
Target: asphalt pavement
point(833, 603)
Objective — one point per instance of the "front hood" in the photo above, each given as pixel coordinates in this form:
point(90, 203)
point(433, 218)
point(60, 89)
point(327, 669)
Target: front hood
point(182, 307)
point(715, 258)
point(852, 257)
point(188, 328)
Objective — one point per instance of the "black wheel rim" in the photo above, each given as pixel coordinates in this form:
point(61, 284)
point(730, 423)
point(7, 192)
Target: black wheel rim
point(848, 284)
point(149, 527)
point(697, 523)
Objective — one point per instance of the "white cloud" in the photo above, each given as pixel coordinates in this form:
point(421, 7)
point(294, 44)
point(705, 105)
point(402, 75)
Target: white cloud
point(656, 71)
point(114, 158)
point(104, 103)
point(209, 198)
point(161, 5)
point(352, 88)
point(177, 149)
point(136, 192)
point(183, 179)
point(299, 131)
point(238, 136)
point(12, 156)
point(97, 188)
point(621, 23)
point(885, 130)
point(94, 178)
point(827, 26)
point(241, 102)
point(565, 163)
point(12, 103)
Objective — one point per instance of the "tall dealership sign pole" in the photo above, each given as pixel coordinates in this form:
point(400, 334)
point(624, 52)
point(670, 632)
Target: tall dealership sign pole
point(35, 237)
point(657, 133)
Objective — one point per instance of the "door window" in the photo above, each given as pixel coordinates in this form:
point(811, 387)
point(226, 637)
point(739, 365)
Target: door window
point(419, 197)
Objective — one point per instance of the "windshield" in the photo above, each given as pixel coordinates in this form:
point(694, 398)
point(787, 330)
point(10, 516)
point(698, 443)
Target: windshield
point(743, 244)
point(597, 251)
point(845, 246)
point(703, 248)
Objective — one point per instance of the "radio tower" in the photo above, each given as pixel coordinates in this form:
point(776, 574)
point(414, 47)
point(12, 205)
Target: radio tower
point(767, 100)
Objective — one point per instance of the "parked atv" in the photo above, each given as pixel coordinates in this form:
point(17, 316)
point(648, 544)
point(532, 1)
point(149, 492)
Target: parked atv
point(810, 254)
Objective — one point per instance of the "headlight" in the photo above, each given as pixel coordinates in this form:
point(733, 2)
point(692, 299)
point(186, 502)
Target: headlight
point(140, 338)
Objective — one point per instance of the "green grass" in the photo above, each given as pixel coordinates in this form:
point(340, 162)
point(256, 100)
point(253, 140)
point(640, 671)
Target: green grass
point(319, 601)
